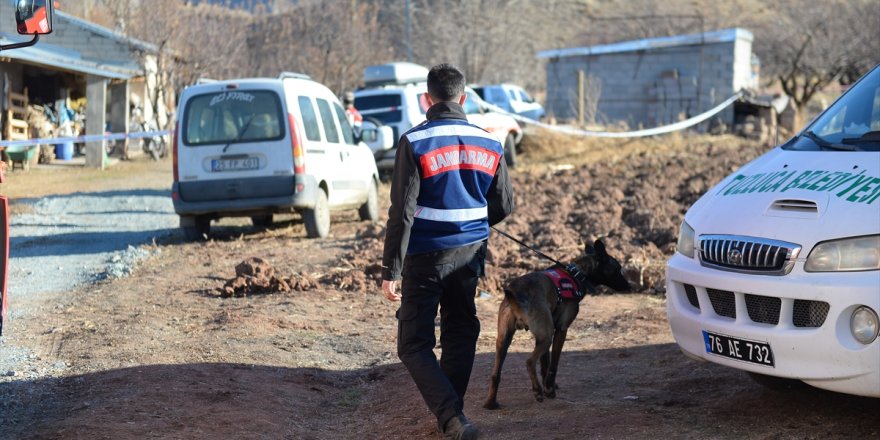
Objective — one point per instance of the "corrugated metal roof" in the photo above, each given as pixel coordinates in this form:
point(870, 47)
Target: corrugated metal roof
point(719, 36)
point(65, 59)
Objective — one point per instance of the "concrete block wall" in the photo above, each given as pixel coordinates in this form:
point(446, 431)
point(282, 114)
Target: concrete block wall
point(651, 87)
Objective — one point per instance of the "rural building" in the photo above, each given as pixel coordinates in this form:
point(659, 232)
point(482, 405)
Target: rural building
point(82, 66)
point(651, 82)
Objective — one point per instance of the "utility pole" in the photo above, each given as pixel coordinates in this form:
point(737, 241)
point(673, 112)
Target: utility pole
point(409, 55)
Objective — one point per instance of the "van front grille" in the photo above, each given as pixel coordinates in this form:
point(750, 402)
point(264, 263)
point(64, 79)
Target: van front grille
point(810, 314)
point(723, 302)
point(691, 293)
point(763, 309)
point(747, 254)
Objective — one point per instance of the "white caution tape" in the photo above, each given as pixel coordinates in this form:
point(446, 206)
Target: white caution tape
point(86, 138)
point(681, 125)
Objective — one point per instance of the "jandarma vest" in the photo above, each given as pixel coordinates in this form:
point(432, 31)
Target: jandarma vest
point(457, 164)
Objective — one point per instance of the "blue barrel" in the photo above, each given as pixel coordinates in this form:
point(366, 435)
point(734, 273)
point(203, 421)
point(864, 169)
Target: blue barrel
point(64, 151)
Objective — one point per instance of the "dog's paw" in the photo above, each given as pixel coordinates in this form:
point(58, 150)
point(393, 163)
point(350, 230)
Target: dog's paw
point(550, 393)
point(539, 396)
point(491, 404)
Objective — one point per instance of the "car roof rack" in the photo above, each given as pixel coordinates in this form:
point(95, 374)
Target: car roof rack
point(296, 75)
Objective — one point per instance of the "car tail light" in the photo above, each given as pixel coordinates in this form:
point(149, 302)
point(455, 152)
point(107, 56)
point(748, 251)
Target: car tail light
point(299, 157)
point(174, 151)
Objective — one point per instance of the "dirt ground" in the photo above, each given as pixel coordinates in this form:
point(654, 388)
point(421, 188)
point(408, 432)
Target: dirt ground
point(178, 351)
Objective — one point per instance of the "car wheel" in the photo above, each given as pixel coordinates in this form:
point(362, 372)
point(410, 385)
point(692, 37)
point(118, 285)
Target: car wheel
point(317, 219)
point(510, 151)
point(776, 383)
point(262, 221)
point(370, 209)
point(195, 228)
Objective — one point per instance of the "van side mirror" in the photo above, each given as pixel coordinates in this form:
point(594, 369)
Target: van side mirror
point(377, 138)
point(33, 17)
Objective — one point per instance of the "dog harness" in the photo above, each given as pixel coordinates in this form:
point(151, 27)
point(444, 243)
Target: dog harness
point(567, 286)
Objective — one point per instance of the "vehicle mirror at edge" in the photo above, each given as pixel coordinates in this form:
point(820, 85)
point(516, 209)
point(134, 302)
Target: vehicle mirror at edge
point(34, 17)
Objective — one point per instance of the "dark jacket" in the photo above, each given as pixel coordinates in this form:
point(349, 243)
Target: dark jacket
point(417, 186)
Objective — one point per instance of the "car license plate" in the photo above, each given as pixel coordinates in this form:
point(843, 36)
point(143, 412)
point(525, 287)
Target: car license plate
point(238, 164)
point(744, 350)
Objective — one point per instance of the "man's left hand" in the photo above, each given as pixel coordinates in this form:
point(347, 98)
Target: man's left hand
point(389, 288)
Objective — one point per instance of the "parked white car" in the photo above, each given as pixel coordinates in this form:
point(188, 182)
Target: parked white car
point(777, 271)
point(255, 147)
point(511, 98)
point(395, 96)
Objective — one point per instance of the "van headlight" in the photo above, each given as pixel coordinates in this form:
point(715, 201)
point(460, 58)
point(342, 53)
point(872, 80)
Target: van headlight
point(864, 325)
point(848, 254)
point(685, 239)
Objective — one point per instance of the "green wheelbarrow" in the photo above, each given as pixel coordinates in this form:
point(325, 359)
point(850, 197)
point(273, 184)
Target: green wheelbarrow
point(21, 155)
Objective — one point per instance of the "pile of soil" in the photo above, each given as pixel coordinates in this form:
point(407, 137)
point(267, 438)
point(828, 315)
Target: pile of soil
point(255, 276)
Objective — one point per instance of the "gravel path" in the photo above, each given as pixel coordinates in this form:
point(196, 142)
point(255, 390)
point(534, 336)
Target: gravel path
point(67, 241)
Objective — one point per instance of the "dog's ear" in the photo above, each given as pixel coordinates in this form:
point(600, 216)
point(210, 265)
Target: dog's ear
point(589, 250)
point(600, 247)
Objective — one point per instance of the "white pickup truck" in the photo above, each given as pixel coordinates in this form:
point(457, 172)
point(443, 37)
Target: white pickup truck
point(777, 271)
point(394, 96)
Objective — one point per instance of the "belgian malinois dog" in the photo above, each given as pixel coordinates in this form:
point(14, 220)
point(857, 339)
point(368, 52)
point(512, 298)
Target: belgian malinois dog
point(534, 302)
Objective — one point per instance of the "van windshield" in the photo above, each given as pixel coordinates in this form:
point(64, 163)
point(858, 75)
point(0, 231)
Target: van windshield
point(233, 116)
point(850, 124)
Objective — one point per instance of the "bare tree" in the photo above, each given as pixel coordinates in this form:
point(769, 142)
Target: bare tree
point(330, 41)
point(812, 44)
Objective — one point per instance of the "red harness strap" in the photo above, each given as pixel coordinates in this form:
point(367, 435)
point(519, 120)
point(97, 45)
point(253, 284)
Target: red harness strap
point(566, 286)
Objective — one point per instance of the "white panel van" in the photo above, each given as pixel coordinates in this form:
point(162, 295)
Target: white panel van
point(255, 147)
point(777, 271)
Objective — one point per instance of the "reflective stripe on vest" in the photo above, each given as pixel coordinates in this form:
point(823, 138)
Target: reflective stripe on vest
point(451, 215)
point(450, 130)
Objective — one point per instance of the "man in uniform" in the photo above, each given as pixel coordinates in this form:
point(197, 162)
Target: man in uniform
point(449, 185)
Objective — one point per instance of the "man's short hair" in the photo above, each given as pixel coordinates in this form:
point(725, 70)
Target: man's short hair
point(445, 83)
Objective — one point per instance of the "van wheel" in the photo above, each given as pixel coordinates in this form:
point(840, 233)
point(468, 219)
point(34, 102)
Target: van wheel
point(510, 151)
point(370, 209)
point(262, 221)
point(317, 220)
point(776, 383)
point(195, 228)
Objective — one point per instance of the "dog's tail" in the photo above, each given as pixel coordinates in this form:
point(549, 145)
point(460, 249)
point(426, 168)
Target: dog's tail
point(519, 303)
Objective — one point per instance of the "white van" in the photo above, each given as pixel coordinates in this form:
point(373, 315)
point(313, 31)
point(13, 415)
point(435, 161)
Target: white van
point(255, 147)
point(394, 95)
point(777, 270)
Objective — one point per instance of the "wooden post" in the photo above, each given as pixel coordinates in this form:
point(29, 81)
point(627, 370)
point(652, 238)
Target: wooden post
point(581, 85)
point(96, 117)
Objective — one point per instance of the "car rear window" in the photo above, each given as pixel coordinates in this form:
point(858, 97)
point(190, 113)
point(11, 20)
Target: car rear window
point(233, 116)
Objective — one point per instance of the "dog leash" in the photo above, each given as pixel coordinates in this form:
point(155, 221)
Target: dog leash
point(580, 278)
point(541, 254)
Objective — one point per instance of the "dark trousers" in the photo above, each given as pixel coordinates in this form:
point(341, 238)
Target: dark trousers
point(446, 278)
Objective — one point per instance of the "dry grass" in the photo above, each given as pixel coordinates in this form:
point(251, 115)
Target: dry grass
point(542, 148)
